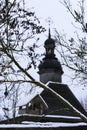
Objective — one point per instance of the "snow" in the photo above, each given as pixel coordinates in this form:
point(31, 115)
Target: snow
point(1, 114)
point(27, 98)
point(79, 92)
point(67, 117)
point(52, 116)
point(43, 101)
point(54, 83)
point(27, 124)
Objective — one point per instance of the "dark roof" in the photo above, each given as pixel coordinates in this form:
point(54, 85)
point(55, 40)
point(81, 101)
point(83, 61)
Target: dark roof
point(55, 106)
point(49, 41)
point(51, 64)
point(50, 61)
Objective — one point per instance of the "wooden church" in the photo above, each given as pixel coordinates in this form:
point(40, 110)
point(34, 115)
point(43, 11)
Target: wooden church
point(50, 72)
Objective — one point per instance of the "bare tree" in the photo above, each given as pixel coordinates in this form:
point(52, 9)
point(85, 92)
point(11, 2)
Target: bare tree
point(17, 27)
point(17, 54)
point(74, 50)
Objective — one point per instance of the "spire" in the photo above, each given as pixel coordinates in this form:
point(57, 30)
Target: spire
point(49, 35)
point(49, 23)
point(50, 68)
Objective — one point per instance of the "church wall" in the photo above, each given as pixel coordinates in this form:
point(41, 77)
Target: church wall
point(50, 76)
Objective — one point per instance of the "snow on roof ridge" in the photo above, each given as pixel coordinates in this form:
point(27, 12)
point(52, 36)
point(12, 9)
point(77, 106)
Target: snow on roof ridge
point(55, 83)
point(43, 101)
point(61, 116)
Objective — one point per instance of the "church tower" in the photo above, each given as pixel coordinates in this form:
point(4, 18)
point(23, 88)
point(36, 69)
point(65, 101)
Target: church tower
point(50, 68)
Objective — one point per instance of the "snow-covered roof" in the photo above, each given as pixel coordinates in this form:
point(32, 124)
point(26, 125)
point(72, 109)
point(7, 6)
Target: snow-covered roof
point(27, 98)
point(76, 92)
point(27, 124)
point(60, 116)
point(54, 83)
point(43, 101)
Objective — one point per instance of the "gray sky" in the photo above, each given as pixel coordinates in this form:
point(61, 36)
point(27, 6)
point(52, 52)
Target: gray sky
point(53, 9)
point(62, 21)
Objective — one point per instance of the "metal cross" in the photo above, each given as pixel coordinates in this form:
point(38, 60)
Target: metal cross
point(49, 20)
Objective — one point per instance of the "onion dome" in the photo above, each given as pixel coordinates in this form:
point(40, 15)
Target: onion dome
point(53, 64)
point(49, 40)
point(50, 68)
point(50, 61)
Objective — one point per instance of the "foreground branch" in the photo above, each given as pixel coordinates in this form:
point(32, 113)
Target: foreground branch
point(64, 101)
point(17, 81)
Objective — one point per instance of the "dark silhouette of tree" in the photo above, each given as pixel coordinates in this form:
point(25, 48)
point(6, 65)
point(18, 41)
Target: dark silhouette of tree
point(18, 26)
point(74, 50)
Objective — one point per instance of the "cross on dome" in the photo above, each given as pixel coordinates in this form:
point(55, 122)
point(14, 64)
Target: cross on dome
point(49, 21)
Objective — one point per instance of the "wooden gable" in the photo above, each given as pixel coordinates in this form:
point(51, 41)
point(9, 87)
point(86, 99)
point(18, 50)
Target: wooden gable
point(36, 106)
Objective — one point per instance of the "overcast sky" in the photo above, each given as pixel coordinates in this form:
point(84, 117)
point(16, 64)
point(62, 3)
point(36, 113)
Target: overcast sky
point(62, 21)
point(53, 9)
